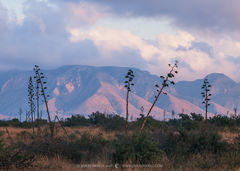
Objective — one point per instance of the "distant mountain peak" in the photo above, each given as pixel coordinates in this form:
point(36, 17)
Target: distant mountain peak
point(83, 89)
point(218, 76)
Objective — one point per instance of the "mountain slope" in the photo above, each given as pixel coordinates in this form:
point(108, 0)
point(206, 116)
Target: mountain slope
point(86, 89)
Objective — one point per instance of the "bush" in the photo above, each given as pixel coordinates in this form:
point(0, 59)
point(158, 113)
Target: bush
point(150, 124)
point(86, 148)
point(114, 122)
point(222, 121)
point(198, 141)
point(184, 116)
point(97, 118)
point(108, 122)
point(196, 117)
point(76, 120)
point(136, 149)
point(14, 157)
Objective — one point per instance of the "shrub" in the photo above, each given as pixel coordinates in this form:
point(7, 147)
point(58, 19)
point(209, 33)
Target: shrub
point(23, 135)
point(2, 133)
point(86, 148)
point(108, 122)
point(3, 123)
point(151, 123)
point(184, 116)
point(220, 120)
point(114, 122)
point(76, 120)
point(183, 142)
point(137, 149)
point(14, 157)
point(196, 117)
point(14, 122)
point(97, 118)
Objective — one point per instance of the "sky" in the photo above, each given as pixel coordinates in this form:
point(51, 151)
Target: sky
point(204, 36)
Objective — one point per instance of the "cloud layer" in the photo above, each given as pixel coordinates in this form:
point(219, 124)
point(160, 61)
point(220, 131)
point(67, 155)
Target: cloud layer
point(213, 14)
point(51, 35)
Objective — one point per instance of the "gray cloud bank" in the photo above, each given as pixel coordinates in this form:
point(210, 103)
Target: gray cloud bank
point(43, 38)
point(216, 15)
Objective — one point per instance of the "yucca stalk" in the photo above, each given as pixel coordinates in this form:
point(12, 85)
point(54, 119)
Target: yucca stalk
point(165, 83)
point(39, 76)
point(37, 99)
point(128, 84)
point(31, 100)
point(206, 95)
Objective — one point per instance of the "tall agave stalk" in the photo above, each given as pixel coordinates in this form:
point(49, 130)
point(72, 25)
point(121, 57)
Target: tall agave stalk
point(31, 101)
point(128, 84)
point(206, 95)
point(37, 101)
point(165, 83)
point(39, 76)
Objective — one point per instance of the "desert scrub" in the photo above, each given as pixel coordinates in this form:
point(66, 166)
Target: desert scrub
point(185, 142)
point(12, 157)
point(86, 148)
point(136, 149)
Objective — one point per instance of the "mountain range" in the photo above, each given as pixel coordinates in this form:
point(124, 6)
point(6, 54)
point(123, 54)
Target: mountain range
point(79, 89)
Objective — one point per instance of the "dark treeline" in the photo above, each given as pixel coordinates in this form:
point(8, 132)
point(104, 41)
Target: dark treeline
point(116, 122)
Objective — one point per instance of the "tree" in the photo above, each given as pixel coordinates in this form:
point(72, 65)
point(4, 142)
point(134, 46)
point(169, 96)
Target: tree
point(128, 84)
point(165, 83)
point(206, 94)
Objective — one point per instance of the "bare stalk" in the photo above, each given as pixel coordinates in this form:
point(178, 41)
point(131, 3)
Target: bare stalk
point(206, 95)
point(39, 77)
point(37, 98)
point(31, 101)
point(128, 84)
point(160, 90)
point(126, 127)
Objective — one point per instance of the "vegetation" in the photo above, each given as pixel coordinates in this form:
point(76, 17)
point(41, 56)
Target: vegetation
point(178, 143)
point(128, 84)
point(39, 77)
point(186, 143)
point(206, 95)
point(165, 83)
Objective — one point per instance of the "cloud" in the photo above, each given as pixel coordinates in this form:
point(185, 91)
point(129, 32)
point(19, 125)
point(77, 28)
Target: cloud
point(82, 14)
point(3, 19)
point(111, 40)
point(44, 38)
point(215, 15)
point(197, 58)
point(50, 37)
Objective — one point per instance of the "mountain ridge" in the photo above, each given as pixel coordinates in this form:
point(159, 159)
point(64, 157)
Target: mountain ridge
point(83, 89)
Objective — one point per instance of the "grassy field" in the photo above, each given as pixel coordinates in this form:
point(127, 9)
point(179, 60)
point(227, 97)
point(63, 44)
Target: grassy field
point(187, 143)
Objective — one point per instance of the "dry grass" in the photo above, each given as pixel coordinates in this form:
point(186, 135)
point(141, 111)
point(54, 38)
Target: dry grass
point(91, 130)
point(229, 136)
point(25, 133)
point(14, 132)
point(58, 163)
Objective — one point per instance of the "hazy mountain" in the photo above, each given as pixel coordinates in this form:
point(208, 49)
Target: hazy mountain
point(86, 89)
point(225, 91)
